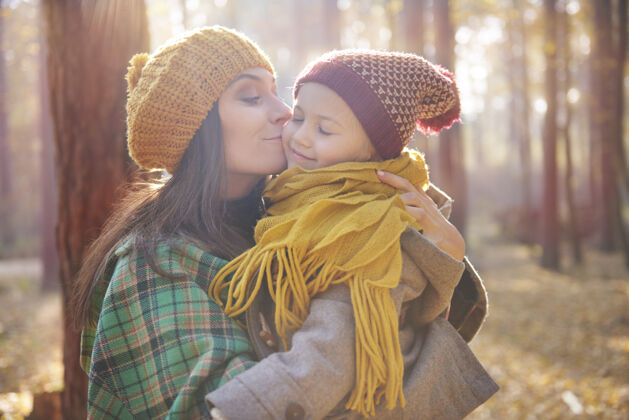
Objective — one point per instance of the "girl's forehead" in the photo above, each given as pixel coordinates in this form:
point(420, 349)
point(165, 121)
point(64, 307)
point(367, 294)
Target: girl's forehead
point(315, 95)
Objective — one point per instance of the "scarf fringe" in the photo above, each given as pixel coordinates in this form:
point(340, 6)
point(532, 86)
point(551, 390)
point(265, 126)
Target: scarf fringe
point(327, 226)
point(379, 363)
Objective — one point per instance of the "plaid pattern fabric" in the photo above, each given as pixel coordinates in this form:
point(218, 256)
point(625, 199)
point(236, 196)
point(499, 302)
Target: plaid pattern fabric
point(160, 345)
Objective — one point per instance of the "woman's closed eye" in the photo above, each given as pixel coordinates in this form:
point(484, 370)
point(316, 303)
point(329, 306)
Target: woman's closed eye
point(251, 100)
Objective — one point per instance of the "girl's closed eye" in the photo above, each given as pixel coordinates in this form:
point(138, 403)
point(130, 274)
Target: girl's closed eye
point(324, 131)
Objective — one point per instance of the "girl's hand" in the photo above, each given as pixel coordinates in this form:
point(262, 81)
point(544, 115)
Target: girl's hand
point(435, 227)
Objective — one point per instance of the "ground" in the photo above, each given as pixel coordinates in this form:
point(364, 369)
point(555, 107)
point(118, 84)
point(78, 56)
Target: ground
point(557, 343)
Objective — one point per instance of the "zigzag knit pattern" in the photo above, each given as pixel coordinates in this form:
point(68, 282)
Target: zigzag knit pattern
point(410, 87)
point(391, 93)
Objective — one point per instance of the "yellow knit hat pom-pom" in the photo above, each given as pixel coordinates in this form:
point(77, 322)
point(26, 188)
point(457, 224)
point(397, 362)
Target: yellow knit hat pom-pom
point(134, 71)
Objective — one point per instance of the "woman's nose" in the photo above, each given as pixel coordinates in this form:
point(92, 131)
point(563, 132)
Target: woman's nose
point(280, 112)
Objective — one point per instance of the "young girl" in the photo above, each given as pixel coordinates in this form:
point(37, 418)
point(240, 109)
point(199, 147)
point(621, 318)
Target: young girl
point(331, 221)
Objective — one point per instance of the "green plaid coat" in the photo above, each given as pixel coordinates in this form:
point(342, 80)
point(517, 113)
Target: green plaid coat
point(160, 345)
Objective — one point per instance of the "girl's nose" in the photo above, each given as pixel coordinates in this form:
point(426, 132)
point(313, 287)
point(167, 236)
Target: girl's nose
point(301, 136)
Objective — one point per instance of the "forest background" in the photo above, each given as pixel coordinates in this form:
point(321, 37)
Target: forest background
point(538, 171)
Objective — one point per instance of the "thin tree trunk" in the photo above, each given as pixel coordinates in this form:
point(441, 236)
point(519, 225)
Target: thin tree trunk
point(89, 44)
point(392, 13)
point(414, 25)
point(48, 253)
point(298, 51)
point(233, 8)
point(414, 31)
point(524, 131)
point(621, 53)
point(604, 113)
point(622, 174)
point(331, 25)
point(184, 14)
point(7, 234)
point(550, 225)
point(573, 224)
point(452, 175)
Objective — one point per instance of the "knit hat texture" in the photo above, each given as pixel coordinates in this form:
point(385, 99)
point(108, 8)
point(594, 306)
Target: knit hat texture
point(171, 92)
point(390, 93)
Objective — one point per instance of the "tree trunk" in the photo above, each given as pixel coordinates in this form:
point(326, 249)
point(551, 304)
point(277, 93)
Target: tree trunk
point(550, 225)
point(7, 235)
point(452, 177)
point(184, 14)
point(48, 252)
point(89, 47)
point(414, 25)
point(414, 31)
point(332, 25)
point(621, 52)
point(604, 113)
point(298, 55)
point(622, 174)
point(523, 127)
point(573, 223)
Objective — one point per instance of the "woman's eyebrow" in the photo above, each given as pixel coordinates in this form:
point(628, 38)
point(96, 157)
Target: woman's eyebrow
point(248, 76)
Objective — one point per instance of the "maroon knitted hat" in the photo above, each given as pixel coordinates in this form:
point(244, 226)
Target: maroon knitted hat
point(390, 93)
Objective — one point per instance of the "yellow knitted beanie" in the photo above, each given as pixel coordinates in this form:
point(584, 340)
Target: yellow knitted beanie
point(171, 92)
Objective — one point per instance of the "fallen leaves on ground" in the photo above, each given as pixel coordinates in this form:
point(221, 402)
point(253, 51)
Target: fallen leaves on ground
point(557, 343)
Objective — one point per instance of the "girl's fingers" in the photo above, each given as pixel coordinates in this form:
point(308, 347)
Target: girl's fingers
point(411, 199)
point(396, 181)
point(418, 214)
point(403, 184)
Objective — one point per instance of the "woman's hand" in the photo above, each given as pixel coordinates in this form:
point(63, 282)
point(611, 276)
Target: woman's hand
point(435, 227)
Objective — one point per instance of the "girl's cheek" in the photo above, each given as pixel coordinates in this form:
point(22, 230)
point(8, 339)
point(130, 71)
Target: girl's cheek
point(287, 132)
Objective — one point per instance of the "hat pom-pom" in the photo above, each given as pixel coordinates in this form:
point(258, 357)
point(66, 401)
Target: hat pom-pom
point(134, 71)
point(445, 120)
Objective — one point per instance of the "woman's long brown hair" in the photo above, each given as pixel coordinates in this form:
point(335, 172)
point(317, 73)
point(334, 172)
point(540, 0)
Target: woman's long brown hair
point(188, 204)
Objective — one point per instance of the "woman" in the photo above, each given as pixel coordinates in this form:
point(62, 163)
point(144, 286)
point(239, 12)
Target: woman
point(205, 108)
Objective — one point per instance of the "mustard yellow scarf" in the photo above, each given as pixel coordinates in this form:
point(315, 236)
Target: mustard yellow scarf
point(338, 224)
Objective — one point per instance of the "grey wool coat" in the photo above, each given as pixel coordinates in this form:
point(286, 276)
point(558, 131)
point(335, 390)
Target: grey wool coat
point(442, 377)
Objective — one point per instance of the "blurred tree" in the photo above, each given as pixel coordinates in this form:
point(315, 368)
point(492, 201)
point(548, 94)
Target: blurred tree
point(233, 13)
point(621, 52)
point(566, 54)
point(299, 46)
point(517, 74)
point(602, 53)
point(594, 133)
point(184, 14)
point(7, 234)
point(331, 25)
point(622, 173)
point(48, 252)
point(550, 222)
point(452, 176)
point(414, 25)
point(89, 44)
point(393, 9)
point(414, 33)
